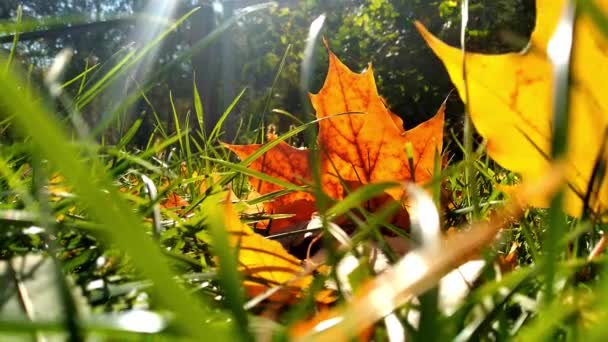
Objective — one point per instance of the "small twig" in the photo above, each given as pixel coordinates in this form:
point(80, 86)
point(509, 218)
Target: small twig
point(153, 194)
point(598, 249)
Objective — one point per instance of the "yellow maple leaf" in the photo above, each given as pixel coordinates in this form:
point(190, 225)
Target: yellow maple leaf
point(266, 264)
point(510, 103)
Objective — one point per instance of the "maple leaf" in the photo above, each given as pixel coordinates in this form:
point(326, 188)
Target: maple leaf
point(361, 142)
point(286, 163)
point(368, 143)
point(174, 201)
point(510, 103)
point(265, 263)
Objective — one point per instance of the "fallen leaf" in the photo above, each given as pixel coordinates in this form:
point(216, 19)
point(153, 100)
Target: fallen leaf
point(174, 201)
point(510, 103)
point(266, 264)
point(205, 182)
point(361, 142)
point(287, 163)
point(57, 188)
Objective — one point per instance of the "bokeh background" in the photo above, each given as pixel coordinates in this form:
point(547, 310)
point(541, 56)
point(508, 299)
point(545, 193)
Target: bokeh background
point(247, 55)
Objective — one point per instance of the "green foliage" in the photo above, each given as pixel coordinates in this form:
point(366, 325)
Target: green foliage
point(250, 55)
point(380, 31)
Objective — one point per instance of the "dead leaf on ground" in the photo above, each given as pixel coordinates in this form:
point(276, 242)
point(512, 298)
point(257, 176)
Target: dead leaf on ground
point(287, 163)
point(266, 264)
point(174, 201)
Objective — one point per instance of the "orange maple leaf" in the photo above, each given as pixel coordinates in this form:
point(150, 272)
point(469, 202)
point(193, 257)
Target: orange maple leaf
point(174, 201)
point(286, 163)
point(368, 143)
point(361, 142)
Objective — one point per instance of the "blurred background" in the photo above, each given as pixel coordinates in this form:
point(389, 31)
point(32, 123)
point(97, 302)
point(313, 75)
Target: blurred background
point(248, 54)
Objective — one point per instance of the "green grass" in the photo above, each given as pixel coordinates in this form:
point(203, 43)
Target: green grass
point(102, 230)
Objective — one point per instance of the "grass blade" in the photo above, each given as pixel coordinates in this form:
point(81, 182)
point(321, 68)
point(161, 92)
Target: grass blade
point(359, 197)
point(262, 176)
point(228, 273)
point(13, 49)
point(178, 131)
point(216, 130)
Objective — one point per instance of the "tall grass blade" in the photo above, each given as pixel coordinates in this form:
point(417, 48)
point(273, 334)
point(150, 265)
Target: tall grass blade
point(259, 175)
point(198, 109)
point(82, 77)
point(559, 51)
point(13, 49)
point(359, 197)
point(228, 274)
point(216, 130)
point(176, 125)
point(262, 124)
point(471, 181)
point(130, 134)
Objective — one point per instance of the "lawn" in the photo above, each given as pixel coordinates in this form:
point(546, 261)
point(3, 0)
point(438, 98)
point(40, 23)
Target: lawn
point(341, 225)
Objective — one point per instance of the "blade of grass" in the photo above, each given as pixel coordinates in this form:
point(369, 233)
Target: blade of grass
point(289, 115)
point(216, 130)
point(358, 198)
point(269, 96)
point(13, 49)
point(159, 124)
point(71, 318)
point(200, 117)
point(198, 108)
point(471, 181)
point(262, 176)
point(595, 12)
point(560, 56)
point(15, 182)
point(134, 160)
point(189, 156)
point(162, 145)
point(228, 274)
point(82, 77)
point(552, 316)
point(268, 197)
point(8, 27)
point(125, 139)
point(101, 84)
point(429, 328)
point(176, 124)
